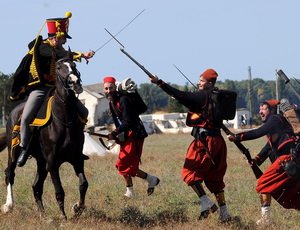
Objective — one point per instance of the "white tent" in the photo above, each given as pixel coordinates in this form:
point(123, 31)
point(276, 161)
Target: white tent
point(92, 147)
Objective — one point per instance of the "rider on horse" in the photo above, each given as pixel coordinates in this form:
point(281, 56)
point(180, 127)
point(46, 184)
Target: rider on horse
point(39, 67)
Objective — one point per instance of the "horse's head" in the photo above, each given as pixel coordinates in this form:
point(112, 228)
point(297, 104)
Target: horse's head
point(68, 75)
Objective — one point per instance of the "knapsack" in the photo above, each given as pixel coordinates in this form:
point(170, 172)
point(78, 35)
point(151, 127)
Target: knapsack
point(291, 114)
point(222, 105)
point(136, 100)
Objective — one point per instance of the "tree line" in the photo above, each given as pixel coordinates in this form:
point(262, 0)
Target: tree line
point(250, 94)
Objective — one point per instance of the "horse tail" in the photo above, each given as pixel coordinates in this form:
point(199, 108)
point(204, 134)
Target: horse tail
point(3, 142)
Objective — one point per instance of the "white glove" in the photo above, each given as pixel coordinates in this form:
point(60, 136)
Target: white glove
point(126, 86)
point(285, 105)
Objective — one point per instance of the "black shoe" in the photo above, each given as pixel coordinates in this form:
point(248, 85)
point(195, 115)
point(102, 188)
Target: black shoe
point(204, 214)
point(22, 158)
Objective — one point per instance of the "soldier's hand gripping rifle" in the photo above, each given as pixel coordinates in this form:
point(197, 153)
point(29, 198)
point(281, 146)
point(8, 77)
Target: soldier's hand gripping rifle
point(256, 170)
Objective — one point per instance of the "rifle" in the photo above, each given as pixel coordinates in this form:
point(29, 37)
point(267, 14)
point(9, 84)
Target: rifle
point(281, 74)
point(256, 170)
point(185, 77)
point(98, 134)
point(150, 75)
point(119, 138)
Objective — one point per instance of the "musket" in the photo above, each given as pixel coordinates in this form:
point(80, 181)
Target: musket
point(281, 74)
point(98, 134)
point(150, 75)
point(120, 137)
point(185, 76)
point(256, 170)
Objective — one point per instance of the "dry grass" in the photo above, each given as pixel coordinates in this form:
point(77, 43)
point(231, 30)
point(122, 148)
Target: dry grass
point(172, 206)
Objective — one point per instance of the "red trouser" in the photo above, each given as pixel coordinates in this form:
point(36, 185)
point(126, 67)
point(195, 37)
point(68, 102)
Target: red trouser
point(199, 166)
point(284, 189)
point(130, 156)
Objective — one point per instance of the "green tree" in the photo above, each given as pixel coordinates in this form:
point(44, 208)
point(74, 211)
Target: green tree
point(5, 105)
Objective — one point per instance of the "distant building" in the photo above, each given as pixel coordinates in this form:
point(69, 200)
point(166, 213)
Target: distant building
point(95, 102)
point(165, 123)
point(241, 119)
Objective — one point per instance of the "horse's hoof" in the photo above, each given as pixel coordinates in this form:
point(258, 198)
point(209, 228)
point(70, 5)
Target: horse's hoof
point(6, 208)
point(78, 209)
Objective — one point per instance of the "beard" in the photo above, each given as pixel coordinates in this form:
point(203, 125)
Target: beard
point(111, 96)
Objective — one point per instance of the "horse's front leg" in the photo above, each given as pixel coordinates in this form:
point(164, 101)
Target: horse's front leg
point(9, 181)
point(38, 185)
point(59, 191)
point(79, 207)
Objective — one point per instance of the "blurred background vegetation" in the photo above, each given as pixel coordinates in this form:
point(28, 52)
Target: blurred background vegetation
point(157, 100)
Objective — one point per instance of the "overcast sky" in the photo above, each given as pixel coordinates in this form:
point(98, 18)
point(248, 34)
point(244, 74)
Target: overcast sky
point(227, 35)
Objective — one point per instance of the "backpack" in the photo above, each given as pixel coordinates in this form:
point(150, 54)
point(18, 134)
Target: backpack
point(293, 118)
point(291, 114)
point(136, 99)
point(222, 105)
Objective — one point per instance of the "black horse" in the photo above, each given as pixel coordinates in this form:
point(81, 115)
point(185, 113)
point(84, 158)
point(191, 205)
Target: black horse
point(60, 140)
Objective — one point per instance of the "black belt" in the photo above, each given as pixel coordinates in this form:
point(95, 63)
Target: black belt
point(201, 133)
point(210, 132)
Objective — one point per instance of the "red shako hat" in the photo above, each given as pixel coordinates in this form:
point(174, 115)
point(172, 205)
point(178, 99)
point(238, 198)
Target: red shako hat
point(59, 26)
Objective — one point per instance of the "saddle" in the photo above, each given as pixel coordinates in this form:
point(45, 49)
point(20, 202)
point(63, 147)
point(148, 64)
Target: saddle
point(40, 120)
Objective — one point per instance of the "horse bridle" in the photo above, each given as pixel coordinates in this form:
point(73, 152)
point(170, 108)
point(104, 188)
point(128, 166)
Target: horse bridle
point(73, 73)
point(66, 84)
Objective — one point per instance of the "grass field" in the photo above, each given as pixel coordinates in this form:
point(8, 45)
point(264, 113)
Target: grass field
point(172, 206)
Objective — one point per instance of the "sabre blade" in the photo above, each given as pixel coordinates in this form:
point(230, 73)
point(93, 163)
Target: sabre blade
point(113, 37)
point(120, 31)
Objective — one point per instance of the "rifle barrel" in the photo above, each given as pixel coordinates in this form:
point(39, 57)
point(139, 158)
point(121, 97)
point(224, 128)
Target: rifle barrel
point(98, 134)
point(185, 77)
point(256, 170)
point(137, 63)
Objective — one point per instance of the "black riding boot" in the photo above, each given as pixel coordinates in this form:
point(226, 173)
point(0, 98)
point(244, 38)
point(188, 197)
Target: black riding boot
point(23, 157)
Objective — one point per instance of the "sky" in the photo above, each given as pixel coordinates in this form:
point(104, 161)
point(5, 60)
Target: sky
point(227, 35)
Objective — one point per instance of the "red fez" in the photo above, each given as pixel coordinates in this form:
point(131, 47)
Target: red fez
point(109, 79)
point(272, 103)
point(209, 74)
